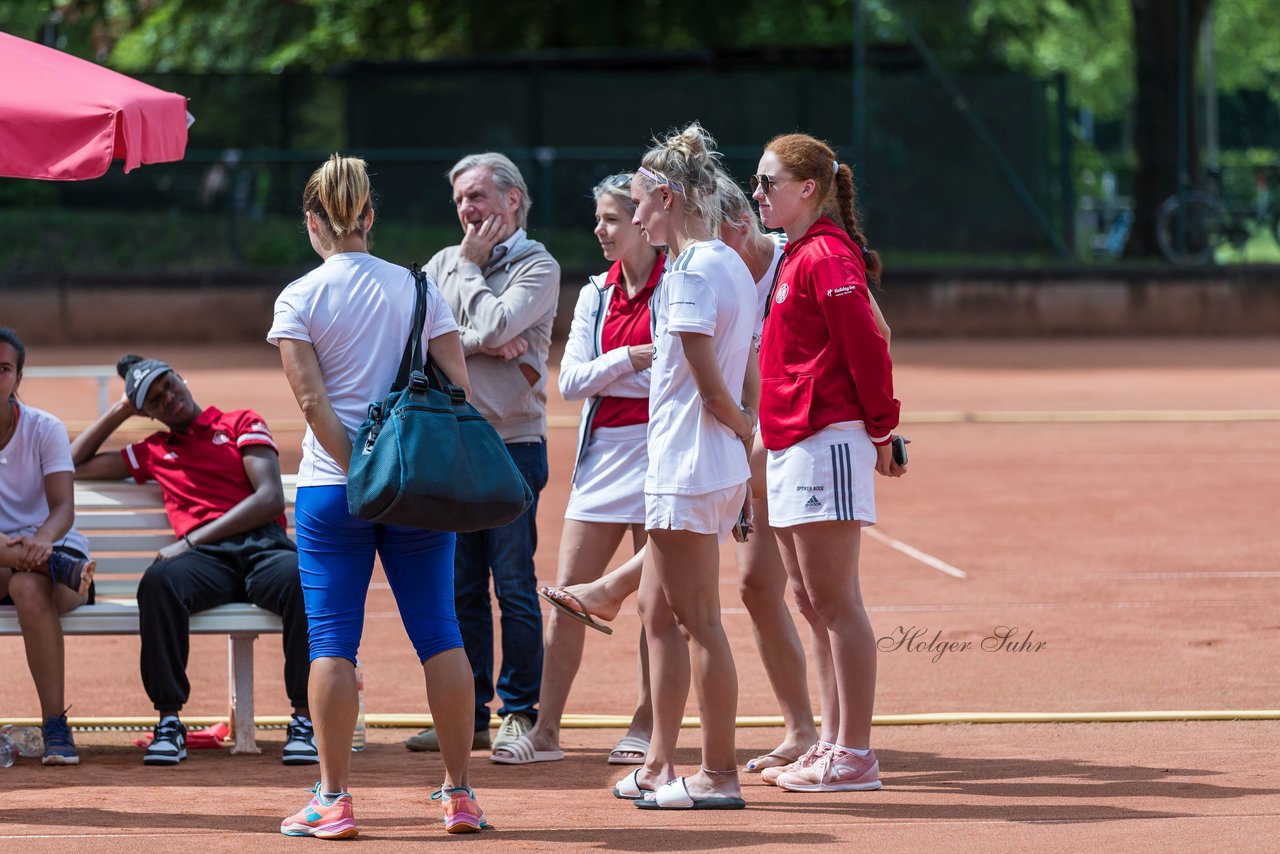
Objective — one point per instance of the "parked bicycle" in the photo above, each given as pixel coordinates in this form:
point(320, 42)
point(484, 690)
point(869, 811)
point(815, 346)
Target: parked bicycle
point(1191, 229)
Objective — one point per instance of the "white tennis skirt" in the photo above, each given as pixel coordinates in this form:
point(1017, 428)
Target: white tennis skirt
point(705, 513)
point(828, 476)
point(610, 481)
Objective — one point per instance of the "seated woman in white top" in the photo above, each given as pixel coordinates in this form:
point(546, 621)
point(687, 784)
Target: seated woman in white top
point(44, 561)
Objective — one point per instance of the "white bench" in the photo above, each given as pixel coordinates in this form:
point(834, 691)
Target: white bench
point(101, 374)
point(126, 525)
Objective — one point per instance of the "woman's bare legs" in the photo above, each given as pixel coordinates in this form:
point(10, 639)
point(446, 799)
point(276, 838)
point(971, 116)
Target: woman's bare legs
point(331, 694)
point(763, 585)
point(642, 718)
point(668, 670)
point(685, 566)
point(451, 697)
point(585, 550)
point(816, 552)
point(603, 597)
point(40, 603)
point(823, 667)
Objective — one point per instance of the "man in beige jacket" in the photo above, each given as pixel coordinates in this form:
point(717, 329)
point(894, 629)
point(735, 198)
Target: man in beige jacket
point(503, 289)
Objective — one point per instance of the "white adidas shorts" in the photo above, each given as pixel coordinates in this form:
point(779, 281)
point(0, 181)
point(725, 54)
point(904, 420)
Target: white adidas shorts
point(708, 513)
point(610, 479)
point(828, 476)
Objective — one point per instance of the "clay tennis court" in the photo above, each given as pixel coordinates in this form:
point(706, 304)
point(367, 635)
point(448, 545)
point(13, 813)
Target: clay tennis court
point(1112, 501)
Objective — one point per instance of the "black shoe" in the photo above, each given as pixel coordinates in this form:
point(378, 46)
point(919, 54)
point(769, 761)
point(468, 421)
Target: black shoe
point(168, 744)
point(300, 743)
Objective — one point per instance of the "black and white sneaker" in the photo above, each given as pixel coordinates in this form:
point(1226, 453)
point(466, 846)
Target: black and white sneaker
point(300, 742)
point(168, 743)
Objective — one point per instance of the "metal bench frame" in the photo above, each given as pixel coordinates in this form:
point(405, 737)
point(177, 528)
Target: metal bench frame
point(126, 525)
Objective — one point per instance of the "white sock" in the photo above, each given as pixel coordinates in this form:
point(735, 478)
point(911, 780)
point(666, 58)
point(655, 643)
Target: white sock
point(863, 752)
point(330, 798)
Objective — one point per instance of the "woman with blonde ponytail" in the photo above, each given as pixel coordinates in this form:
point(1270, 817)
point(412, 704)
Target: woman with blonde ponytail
point(701, 418)
point(352, 315)
point(827, 417)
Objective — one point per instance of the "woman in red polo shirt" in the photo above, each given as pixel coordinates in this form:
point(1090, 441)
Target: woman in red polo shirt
point(605, 365)
point(827, 415)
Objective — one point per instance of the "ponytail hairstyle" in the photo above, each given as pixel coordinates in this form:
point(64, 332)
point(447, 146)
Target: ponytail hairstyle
point(8, 336)
point(338, 194)
point(734, 204)
point(687, 162)
point(809, 159)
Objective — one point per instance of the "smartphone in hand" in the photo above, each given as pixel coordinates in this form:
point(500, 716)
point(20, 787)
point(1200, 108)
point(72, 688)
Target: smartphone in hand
point(899, 445)
point(742, 529)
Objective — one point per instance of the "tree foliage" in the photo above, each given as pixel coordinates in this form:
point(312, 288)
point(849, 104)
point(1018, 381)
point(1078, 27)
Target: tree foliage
point(1091, 41)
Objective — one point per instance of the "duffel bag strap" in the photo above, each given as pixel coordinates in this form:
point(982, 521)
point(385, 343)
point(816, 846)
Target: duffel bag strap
point(412, 359)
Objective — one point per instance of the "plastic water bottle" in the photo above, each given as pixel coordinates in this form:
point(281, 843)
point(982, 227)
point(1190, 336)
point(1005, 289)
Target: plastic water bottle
point(358, 739)
point(18, 741)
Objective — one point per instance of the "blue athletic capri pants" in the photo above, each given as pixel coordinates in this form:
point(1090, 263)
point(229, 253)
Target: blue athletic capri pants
point(335, 562)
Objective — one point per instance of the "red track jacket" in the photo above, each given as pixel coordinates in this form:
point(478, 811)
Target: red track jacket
point(822, 358)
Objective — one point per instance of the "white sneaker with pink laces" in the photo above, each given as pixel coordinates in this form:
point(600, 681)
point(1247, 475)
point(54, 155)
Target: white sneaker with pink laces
point(811, 757)
point(838, 771)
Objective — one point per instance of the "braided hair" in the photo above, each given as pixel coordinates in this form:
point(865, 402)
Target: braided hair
point(810, 159)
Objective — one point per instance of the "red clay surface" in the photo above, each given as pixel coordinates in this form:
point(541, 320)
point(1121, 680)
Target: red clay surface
point(1141, 554)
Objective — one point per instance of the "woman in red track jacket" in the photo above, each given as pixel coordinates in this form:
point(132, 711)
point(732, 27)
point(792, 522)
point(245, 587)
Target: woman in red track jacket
point(827, 415)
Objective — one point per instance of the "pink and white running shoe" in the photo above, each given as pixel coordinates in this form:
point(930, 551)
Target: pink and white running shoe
point(462, 814)
point(839, 771)
point(323, 821)
point(810, 757)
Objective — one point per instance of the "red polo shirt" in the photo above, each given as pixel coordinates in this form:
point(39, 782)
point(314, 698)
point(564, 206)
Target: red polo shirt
point(626, 324)
point(200, 472)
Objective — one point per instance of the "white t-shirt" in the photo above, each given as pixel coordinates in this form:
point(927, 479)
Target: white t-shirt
point(706, 290)
point(356, 310)
point(39, 447)
point(766, 281)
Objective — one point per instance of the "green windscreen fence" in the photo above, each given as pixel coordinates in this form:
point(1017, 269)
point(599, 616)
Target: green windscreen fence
point(926, 182)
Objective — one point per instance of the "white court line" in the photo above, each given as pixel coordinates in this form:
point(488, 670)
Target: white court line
point(913, 552)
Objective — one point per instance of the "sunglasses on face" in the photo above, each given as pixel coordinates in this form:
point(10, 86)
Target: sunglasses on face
point(765, 183)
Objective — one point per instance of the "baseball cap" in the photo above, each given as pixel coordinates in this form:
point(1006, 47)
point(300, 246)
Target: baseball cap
point(138, 375)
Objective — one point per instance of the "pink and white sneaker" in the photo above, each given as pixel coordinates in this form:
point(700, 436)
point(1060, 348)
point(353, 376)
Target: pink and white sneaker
point(811, 756)
point(323, 821)
point(462, 814)
point(839, 771)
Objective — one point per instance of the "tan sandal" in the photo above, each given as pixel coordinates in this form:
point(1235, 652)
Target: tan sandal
point(769, 760)
point(557, 596)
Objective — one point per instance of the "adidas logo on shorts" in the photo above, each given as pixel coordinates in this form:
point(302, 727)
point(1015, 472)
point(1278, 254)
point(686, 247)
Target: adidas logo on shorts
point(812, 502)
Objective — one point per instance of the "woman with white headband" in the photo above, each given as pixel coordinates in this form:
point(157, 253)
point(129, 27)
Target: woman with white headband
point(696, 484)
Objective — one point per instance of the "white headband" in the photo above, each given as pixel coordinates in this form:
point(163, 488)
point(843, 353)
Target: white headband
point(835, 166)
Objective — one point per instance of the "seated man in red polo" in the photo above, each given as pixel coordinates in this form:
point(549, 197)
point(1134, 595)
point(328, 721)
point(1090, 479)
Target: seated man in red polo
point(220, 477)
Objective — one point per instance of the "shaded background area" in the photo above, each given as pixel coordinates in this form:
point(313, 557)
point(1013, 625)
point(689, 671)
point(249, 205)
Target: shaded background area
point(995, 133)
point(567, 122)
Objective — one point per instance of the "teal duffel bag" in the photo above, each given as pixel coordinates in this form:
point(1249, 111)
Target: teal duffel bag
point(425, 458)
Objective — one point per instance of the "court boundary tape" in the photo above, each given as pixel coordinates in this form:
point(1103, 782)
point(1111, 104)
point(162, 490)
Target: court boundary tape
point(419, 721)
point(958, 416)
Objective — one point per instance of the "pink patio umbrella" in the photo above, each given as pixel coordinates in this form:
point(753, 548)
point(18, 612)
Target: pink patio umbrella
point(65, 119)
